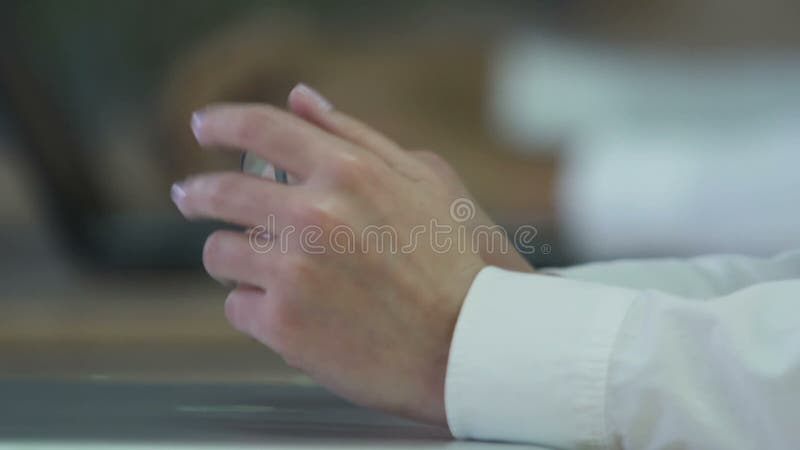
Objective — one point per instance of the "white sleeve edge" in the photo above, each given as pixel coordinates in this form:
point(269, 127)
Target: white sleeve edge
point(530, 357)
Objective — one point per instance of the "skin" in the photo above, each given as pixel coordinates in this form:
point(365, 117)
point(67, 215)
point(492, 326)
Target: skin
point(372, 326)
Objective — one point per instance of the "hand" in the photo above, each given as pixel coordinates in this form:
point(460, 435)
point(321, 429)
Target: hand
point(500, 254)
point(371, 324)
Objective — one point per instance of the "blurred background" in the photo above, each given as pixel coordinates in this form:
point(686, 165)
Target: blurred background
point(618, 129)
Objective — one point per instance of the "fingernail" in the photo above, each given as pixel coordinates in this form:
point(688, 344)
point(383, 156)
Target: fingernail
point(177, 193)
point(321, 102)
point(196, 123)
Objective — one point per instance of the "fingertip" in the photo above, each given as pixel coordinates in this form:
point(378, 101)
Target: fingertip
point(177, 193)
point(303, 97)
point(294, 100)
point(240, 308)
point(197, 124)
point(231, 309)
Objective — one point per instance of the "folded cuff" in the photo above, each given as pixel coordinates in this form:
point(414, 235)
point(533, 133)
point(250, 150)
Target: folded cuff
point(529, 359)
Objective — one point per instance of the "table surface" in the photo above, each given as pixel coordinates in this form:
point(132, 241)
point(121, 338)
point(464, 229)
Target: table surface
point(103, 414)
point(152, 363)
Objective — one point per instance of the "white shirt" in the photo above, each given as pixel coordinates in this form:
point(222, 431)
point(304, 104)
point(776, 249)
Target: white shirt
point(699, 354)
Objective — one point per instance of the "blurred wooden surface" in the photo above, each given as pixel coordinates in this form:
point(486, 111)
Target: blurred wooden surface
point(138, 329)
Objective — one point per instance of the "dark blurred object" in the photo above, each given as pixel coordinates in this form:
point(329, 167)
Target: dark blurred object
point(69, 190)
point(101, 108)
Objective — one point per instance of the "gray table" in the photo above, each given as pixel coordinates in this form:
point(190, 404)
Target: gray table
point(56, 414)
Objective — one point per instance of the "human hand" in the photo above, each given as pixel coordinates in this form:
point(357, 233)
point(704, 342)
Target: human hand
point(494, 253)
point(373, 325)
point(500, 251)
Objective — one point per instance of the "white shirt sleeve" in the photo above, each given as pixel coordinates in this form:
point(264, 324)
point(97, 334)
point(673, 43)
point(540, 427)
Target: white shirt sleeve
point(573, 364)
point(698, 278)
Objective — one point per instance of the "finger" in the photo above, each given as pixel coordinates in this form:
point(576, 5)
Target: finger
point(435, 162)
point(242, 308)
point(255, 313)
point(229, 255)
point(232, 197)
point(275, 135)
point(311, 106)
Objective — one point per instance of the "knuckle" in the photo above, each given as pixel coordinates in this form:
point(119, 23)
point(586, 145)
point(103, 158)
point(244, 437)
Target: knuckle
point(360, 132)
point(435, 158)
point(348, 169)
point(423, 153)
point(432, 159)
point(225, 186)
point(313, 214)
point(297, 272)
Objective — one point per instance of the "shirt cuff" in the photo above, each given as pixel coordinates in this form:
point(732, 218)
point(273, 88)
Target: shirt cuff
point(529, 359)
